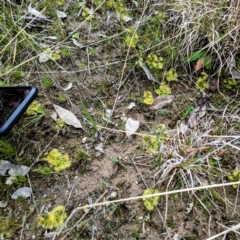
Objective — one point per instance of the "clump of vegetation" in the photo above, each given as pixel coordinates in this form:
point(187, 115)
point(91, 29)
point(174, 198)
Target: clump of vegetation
point(234, 177)
point(163, 89)
point(151, 202)
point(47, 82)
point(148, 98)
point(154, 61)
point(60, 124)
point(152, 143)
point(48, 53)
point(6, 149)
point(171, 75)
point(202, 84)
point(57, 161)
point(131, 39)
point(53, 219)
point(162, 132)
point(35, 109)
point(7, 228)
point(87, 13)
point(230, 84)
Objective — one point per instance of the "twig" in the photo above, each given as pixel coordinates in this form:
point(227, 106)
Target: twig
point(224, 232)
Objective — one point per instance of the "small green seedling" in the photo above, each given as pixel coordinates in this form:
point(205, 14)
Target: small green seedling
point(114, 159)
point(188, 110)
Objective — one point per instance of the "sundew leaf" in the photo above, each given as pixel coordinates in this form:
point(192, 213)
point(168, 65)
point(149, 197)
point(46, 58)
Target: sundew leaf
point(194, 56)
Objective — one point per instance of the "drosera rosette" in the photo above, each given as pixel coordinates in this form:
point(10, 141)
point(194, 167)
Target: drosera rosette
point(53, 219)
point(34, 113)
point(87, 13)
point(163, 90)
point(171, 75)
point(60, 124)
point(131, 38)
point(234, 177)
point(35, 108)
point(152, 143)
point(230, 84)
point(148, 98)
point(151, 202)
point(201, 83)
point(154, 61)
point(57, 161)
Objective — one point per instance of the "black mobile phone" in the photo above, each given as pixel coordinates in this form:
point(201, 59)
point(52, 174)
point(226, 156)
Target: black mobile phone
point(14, 101)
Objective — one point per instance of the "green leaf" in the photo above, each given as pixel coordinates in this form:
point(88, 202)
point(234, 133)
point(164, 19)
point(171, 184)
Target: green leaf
point(207, 62)
point(194, 56)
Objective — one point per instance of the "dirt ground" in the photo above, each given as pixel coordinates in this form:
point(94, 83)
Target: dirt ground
point(108, 165)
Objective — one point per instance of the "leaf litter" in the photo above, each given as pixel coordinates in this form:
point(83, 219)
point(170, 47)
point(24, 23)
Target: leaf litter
point(68, 117)
point(131, 126)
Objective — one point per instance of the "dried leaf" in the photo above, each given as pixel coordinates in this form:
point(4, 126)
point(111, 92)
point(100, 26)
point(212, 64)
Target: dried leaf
point(22, 192)
point(109, 113)
point(161, 102)
point(67, 116)
point(199, 64)
point(54, 116)
point(69, 86)
point(35, 12)
point(76, 43)
point(147, 72)
point(99, 148)
point(193, 118)
point(9, 169)
point(131, 126)
point(189, 207)
point(183, 128)
point(127, 18)
point(61, 15)
point(235, 73)
point(45, 56)
point(131, 105)
point(202, 111)
point(3, 204)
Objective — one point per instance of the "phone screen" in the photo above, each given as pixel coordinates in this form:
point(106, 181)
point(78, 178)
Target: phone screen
point(10, 99)
point(13, 102)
